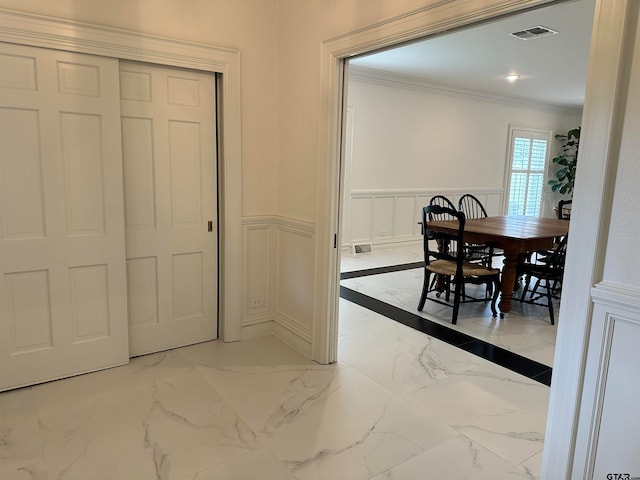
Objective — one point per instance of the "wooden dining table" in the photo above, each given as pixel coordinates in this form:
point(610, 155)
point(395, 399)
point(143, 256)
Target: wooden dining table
point(515, 235)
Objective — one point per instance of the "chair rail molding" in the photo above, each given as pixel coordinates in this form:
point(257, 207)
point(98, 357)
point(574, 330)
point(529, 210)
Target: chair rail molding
point(61, 34)
point(390, 216)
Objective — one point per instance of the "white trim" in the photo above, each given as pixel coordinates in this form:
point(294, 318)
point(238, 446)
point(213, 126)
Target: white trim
point(39, 31)
point(388, 79)
point(616, 295)
point(595, 180)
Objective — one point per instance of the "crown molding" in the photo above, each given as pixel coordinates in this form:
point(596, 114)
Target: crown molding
point(396, 80)
point(68, 35)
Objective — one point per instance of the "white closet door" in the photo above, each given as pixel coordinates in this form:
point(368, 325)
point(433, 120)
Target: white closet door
point(62, 262)
point(169, 152)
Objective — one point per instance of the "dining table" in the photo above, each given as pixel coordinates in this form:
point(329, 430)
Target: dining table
point(516, 235)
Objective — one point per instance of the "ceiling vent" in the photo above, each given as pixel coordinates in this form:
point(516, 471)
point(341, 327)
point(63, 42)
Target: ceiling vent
point(533, 32)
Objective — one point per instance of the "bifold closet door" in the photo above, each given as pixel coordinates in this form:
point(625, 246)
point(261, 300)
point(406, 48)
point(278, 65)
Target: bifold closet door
point(63, 306)
point(169, 155)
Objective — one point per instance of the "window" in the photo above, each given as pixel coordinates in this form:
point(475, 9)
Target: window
point(528, 158)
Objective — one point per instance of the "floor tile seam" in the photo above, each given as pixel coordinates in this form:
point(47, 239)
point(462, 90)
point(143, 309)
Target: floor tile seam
point(470, 341)
point(226, 399)
point(390, 390)
point(403, 397)
point(211, 468)
point(530, 457)
point(491, 449)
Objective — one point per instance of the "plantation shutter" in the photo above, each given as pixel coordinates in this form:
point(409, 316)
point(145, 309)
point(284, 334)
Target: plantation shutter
point(527, 166)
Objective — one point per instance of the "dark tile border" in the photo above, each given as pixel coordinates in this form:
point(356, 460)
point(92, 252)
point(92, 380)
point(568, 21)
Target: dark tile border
point(517, 363)
point(379, 270)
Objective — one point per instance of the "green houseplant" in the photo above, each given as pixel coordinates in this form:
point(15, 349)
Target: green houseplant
point(567, 161)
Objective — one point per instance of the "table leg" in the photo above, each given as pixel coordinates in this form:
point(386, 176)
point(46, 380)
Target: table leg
point(511, 260)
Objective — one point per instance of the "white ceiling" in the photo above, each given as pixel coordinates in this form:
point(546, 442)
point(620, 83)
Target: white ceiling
point(552, 69)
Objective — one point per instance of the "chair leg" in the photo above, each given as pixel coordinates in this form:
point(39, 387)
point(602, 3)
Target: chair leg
point(425, 290)
point(456, 301)
point(527, 281)
point(550, 302)
point(494, 298)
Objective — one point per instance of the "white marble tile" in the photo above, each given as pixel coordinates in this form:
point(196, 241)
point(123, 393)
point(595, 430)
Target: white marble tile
point(35, 471)
point(526, 330)
point(401, 358)
point(141, 371)
point(331, 422)
point(503, 411)
point(397, 404)
point(20, 443)
point(381, 256)
point(258, 465)
point(457, 459)
point(160, 426)
point(355, 319)
point(265, 351)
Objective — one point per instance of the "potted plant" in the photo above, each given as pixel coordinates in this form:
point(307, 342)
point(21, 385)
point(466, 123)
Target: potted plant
point(567, 161)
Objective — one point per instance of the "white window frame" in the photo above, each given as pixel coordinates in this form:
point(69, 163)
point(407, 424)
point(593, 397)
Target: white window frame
point(525, 131)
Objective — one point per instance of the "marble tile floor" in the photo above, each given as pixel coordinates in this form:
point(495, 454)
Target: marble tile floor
point(526, 330)
point(397, 405)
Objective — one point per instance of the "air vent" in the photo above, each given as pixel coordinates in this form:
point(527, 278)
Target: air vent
point(533, 32)
point(362, 248)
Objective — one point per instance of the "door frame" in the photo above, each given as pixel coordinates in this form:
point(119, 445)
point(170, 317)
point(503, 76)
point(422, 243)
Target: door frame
point(59, 34)
point(601, 125)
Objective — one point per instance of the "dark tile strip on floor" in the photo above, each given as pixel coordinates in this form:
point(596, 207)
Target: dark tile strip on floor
point(517, 363)
point(379, 270)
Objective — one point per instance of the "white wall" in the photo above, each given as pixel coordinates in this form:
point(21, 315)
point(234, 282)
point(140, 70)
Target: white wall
point(249, 25)
point(416, 137)
point(411, 140)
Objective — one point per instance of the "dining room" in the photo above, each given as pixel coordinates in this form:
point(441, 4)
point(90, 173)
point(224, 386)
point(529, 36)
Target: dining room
point(410, 138)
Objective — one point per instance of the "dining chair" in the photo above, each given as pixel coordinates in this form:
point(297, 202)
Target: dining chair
point(562, 214)
point(444, 257)
point(441, 201)
point(473, 208)
point(561, 211)
point(549, 270)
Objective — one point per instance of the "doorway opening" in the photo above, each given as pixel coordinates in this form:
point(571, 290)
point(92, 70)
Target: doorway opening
point(443, 109)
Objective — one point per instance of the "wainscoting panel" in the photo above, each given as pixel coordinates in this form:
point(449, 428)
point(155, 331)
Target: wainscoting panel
point(257, 272)
point(278, 251)
point(385, 217)
point(295, 248)
point(607, 439)
point(361, 213)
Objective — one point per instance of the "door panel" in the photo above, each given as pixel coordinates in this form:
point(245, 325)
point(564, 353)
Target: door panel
point(62, 269)
point(169, 154)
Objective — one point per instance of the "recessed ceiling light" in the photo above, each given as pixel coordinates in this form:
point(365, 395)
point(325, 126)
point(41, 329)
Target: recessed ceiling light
point(512, 77)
